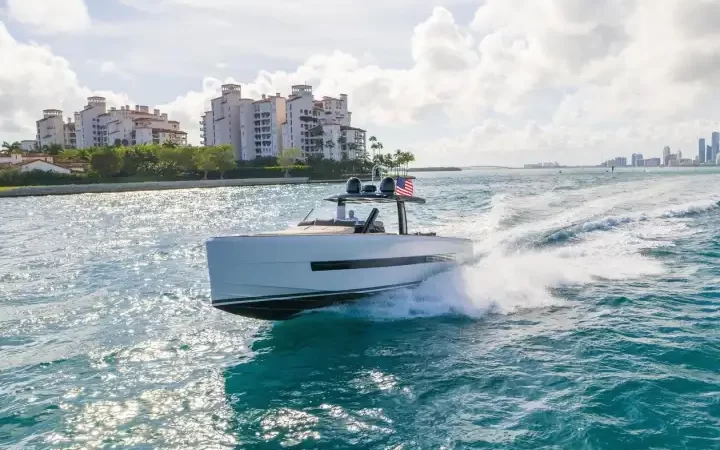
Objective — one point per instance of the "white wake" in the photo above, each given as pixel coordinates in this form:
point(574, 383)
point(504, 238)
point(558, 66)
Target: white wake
point(602, 233)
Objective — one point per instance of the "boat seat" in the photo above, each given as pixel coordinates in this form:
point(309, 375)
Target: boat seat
point(377, 227)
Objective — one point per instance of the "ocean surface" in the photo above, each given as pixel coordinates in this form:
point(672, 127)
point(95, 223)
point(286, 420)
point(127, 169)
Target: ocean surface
point(590, 320)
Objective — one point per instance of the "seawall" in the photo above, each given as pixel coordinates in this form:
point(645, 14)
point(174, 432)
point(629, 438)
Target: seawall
point(69, 189)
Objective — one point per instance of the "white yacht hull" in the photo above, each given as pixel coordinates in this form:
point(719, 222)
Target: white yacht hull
point(274, 277)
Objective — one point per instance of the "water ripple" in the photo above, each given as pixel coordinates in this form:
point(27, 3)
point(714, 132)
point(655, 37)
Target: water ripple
point(589, 320)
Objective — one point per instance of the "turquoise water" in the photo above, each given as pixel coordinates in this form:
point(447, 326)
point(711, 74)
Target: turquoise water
point(591, 320)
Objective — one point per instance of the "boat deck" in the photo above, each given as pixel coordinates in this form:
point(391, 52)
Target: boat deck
point(312, 230)
point(317, 229)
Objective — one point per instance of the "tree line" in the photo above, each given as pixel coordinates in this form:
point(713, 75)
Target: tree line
point(169, 162)
point(52, 149)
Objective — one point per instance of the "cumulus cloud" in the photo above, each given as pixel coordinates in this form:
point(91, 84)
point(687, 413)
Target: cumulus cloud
point(573, 80)
point(112, 68)
point(33, 78)
point(51, 16)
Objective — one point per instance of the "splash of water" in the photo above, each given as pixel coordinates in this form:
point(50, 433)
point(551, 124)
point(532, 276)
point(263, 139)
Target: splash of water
point(508, 277)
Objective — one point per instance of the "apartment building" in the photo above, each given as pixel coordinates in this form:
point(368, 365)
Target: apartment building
point(53, 130)
point(262, 128)
point(96, 126)
point(126, 126)
point(322, 128)
point(268, 116)
point(28, 145)
point(50, 130)
point(252, 127)
point(302, 121)
point(207, 131)
point(230, 121)
point(353, 143)
point(88, 129)
point(336, 110)
point(70, 134)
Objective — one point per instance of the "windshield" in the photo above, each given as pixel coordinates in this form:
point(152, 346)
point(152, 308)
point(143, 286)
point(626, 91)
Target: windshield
point(356, 212)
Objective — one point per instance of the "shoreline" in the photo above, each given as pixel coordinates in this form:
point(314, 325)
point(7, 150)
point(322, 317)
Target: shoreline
point(99, 188)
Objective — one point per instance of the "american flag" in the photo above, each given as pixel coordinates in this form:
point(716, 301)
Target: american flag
point(404, 187)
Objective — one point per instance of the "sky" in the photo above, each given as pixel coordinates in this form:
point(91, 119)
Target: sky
point(457, 82)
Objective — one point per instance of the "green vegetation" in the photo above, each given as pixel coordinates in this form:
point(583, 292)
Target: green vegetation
point(15, 147)
point(170, 163)
point(287, 159)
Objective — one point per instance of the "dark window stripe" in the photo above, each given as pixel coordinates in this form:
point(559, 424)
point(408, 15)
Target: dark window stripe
point(376, 263)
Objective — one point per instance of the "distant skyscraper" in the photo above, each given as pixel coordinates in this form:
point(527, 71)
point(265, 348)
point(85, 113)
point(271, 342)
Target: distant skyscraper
point(637, 159)
point(715, 145)
point(708, 154)
point(701, 150)
point(652, 162)
point(666, 156)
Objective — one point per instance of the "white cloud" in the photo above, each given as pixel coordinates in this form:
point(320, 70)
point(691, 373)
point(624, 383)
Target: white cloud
point(32, 78)
point(51, 16)
point(112, 68)
point(573, 80)
point(108, 66)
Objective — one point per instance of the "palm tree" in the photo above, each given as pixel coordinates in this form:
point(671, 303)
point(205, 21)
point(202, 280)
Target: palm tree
point(330, 145)
point(398, 160)
point(54, 149)
point(15, 147)
point(342, 141)
point(409, 157)
point(352, 148)
point(374, 145)
point(319, 144)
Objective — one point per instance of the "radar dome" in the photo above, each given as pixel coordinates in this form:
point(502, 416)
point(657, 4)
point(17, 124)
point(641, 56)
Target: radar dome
point(387, 186)
point(353, 186)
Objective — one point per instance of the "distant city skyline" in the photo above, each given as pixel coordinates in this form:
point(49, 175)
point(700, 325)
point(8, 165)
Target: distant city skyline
point(708, 155)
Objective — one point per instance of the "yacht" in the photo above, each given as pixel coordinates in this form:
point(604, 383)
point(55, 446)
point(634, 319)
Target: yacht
point(320, 263)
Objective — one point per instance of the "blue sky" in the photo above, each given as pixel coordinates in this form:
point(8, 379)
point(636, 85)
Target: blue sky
point(455, 81)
